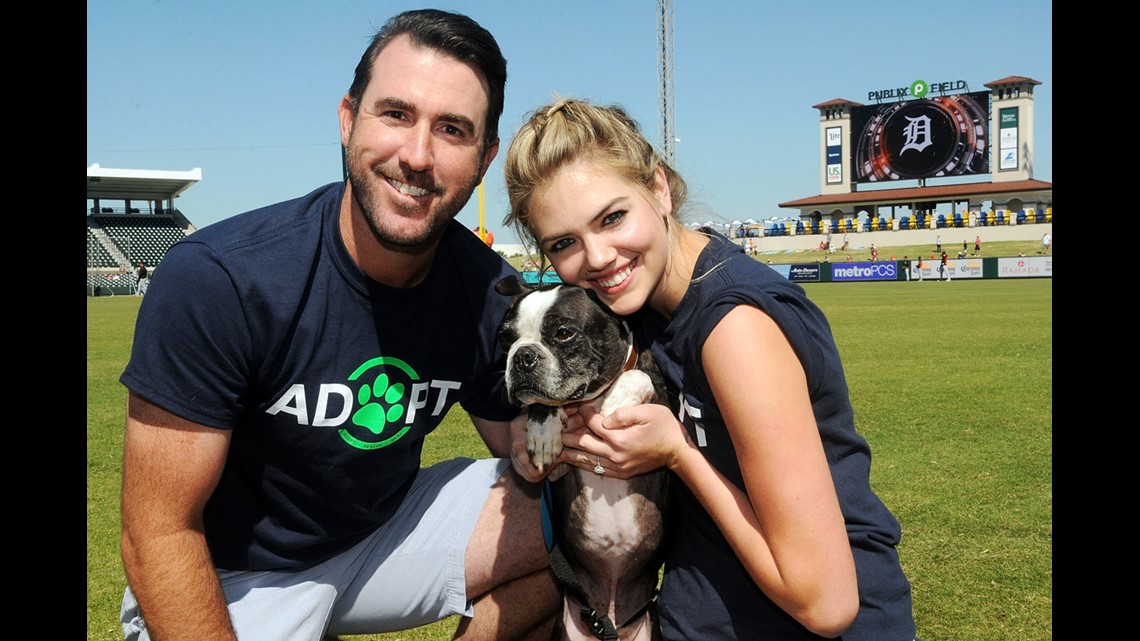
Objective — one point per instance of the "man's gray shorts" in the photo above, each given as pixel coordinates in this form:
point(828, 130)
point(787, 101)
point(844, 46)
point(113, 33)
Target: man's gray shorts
point(409, 573)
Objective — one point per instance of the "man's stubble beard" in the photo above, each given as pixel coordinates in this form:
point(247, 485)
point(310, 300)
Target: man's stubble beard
point(365, 187)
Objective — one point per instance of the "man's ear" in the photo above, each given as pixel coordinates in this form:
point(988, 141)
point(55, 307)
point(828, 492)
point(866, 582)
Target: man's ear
point(489, 155)
point(346, 117)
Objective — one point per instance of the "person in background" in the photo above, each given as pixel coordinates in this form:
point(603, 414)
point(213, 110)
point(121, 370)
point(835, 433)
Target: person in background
point(777, 532)
point(1046, 240)
point(906, 266)
point(141, 278)
point(919, 265)
point(485, 234)
point(290, 363)
point(944, 268)
point(978, 245)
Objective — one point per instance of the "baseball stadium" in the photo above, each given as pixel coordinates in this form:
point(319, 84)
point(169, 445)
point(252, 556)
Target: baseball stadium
point(932, 143)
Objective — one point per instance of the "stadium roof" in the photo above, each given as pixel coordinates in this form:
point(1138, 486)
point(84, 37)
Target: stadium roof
point(105, 183)
point(1023, 189)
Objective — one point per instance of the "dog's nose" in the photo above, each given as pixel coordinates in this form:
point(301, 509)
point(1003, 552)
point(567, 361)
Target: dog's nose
point(526, 359)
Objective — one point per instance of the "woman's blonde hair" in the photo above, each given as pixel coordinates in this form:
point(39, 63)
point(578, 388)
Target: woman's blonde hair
point(567, 130)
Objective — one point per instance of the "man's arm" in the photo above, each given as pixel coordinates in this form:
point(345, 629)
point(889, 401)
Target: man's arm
point(496, 434)
point(170, 468)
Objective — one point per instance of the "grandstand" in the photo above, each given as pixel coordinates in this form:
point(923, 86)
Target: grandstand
point(131, 218)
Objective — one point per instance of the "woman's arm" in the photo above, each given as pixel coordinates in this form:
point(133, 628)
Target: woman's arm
point(788, 531)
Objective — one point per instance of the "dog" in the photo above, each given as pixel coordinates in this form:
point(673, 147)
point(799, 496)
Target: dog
point(565, 347)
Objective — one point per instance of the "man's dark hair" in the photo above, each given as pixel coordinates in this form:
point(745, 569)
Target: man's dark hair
point(453, 34)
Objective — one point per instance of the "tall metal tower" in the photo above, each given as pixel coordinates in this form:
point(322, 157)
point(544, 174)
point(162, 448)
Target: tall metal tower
point(665, 73)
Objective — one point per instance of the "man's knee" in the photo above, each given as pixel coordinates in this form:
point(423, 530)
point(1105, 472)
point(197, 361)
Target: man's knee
point(507, 542)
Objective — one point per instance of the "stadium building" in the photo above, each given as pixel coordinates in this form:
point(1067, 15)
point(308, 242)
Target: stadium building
point(131, 218)
point(876, 161)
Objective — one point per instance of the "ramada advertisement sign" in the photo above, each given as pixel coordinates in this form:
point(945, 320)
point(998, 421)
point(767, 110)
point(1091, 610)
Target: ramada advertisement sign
point(924, 138)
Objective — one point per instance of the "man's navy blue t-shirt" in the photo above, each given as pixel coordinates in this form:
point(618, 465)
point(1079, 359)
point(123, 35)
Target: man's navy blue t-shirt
point(262, 324)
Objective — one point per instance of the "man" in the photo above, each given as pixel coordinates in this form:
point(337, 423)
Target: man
point(289, 364)
point(141, 278)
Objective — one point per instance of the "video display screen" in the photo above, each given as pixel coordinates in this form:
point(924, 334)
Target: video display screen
point(926, 138)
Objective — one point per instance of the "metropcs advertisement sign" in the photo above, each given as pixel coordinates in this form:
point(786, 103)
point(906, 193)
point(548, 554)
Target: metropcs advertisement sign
point(864, 271)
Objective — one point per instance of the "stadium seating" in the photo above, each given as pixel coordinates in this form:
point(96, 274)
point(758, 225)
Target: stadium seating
point(97, 254)
point(141, 238)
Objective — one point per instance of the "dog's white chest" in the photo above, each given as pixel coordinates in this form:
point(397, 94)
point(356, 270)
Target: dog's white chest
point(610, 522)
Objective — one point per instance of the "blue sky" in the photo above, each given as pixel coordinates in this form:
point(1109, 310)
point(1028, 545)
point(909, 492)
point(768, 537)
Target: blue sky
point(247, 90)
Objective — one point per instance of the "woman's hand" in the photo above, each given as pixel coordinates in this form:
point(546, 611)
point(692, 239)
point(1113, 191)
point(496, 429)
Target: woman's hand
point(632, 440)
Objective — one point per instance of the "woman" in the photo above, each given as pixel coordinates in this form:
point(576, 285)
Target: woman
point(778, 534)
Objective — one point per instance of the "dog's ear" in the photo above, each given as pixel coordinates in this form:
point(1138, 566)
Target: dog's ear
point(512, 286)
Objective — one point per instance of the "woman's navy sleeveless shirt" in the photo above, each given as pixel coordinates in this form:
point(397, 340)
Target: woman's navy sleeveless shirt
point(706, 592)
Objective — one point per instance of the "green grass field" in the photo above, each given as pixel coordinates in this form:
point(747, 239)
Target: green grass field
point(952, 387)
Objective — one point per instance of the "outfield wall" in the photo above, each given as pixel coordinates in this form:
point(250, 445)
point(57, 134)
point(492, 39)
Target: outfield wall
point(959, 269)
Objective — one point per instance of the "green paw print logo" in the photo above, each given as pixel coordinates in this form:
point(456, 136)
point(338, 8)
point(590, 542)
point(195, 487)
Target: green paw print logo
point(381, 401)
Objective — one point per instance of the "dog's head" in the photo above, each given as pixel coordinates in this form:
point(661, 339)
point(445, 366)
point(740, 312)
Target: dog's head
point(563, 345)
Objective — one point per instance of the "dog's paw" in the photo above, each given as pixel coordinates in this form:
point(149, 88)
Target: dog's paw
point(633, 387)
point(544, 438)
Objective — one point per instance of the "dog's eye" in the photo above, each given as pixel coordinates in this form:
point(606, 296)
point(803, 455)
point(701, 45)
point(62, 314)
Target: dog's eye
point(506, 336)
point(564, 333)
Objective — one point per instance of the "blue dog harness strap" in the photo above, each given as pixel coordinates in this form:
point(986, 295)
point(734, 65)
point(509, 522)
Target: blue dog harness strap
point(547, 516)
